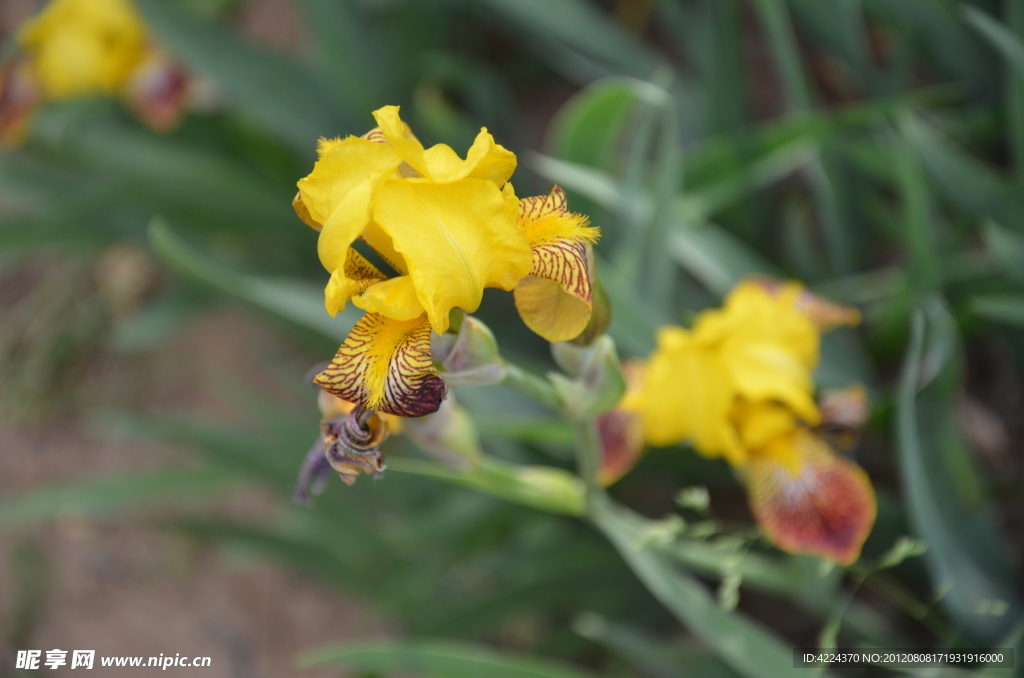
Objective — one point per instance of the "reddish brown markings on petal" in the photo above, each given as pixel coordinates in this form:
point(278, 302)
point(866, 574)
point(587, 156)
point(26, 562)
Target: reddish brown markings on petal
point(376, 136)
point(564, 261)
point(386, 365)
point(828, 509)
point(537, 206)
point(622, 444)
point(19, 96)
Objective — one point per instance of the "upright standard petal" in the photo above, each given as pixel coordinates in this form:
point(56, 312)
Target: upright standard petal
point(343, 165)
point(822, 505)
point(771, 350)
point(386, 365)
point(555, 300)
point(687, 394)
point(439, 163)
point(456, 239)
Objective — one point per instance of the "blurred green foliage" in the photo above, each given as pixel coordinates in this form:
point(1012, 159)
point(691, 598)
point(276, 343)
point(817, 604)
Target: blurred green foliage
point(872, 148)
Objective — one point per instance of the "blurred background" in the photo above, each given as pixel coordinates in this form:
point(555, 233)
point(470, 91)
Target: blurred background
point(160, 304)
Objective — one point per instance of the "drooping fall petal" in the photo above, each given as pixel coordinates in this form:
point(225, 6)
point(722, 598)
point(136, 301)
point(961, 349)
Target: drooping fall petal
point(157, 91)
point(20, 94)
point(386, 365)
point(456, 239)
point(822, 504)
point(622, 431)
point(555, 300)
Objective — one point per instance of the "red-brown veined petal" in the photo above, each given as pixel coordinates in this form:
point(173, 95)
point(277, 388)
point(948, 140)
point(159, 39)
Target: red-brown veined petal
point(20, 94)
point(157, 91)
point(386, 365)
point(555, 300)
point(622, 429)
point(808, 499)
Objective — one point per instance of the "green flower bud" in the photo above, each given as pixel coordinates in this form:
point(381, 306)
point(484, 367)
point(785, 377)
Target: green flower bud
point(470, 357)
point(598, 380)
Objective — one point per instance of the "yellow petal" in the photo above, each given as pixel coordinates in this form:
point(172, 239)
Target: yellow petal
point(485, 159)
point(770, 349)
point(394, 298)
point(349, 220)
point(456, 238)
point(343, 165)
point(687, 394)
point(555, 301)
point(386, 365)
point(759, 423)
point(353, 278)
point(380, 242)
point(824, 506)
point(80, 47)
point(19, 96)
point(825, 314)
point(303, 213)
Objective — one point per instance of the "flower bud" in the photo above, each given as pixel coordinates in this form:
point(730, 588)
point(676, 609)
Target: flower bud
point(447, 435)
point(470, 357)
point(598, 382)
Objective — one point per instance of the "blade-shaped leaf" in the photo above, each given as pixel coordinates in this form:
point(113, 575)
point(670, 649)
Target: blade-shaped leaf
point(293, 300)
point(438, 659)
point(945, 500)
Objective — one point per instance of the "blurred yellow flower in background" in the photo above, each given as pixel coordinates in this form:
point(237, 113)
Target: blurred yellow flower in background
point(448, 228)
point(78, 48)
point(739, 385)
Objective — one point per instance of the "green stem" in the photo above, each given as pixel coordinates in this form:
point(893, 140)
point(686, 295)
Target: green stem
point(532, 386)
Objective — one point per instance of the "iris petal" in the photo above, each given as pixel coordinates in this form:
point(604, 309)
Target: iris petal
point(394, 298)
point(386, 365)
point(456, 238)
point(343, 165)
point(353, 278)
point(555, 300)
point(814, 501)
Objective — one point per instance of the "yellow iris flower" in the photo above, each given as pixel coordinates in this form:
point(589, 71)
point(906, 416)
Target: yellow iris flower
point(82, 47)
point(449, 228)
point(739, 385)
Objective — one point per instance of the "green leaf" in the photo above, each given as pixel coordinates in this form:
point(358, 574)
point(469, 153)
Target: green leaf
point(587, 128)
point(1001, 308)
point(541, 487)
point(999, 36)
point(968, 183)
point(946, 502)
point(274, 92)
point(297, 301)
point(745, 646)
point(438, 659)
point(102, 497)
point(582, 27)
point(1007, 247)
